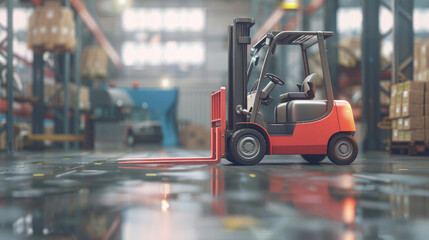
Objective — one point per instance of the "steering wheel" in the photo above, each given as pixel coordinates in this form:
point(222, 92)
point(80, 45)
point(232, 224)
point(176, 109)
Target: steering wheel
point(274, 78)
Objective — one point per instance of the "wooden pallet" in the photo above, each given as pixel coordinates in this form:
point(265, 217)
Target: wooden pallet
point(410, 148)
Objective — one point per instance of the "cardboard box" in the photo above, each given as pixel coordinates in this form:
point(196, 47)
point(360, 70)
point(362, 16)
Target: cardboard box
point(48, 91)
point(423, 57)
point(52, 3)
point(392, 109)
point(395, 135)
point(196, 137)
point(61, 29)
point(414, 123)
point(52, 27)
point(16, 138)
point(427, 98)
point(414, 135)
point(427, 134)
point(84, 98)
point(401, 136)
point(422, 76)
point(393, 100)
point(394, 124)
point(398, 110)
point(31, 27)
point(385, 99)
point(400, 124)
point(413, 86)
point(94, 63)
point(393, 90)
point(417, 55)
point(398, 98)
point(399, 87)
point(2, 139)
point(413, 97)
point(37, 27)
point(411, 110)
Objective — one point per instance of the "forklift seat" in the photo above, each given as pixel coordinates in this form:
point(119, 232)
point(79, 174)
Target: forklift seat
point(300, 111)
point(308, 90)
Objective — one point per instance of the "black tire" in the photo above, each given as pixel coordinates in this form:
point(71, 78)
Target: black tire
point(229, 158)
point(131, 140)
point(247, 147)
point(342, 149)
point(313, 158)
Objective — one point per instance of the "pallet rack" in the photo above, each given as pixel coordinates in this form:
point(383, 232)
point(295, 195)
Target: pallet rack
point(61, 74)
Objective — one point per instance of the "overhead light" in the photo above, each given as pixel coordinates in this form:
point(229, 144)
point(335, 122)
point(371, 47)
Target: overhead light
point(122, 2)
point(165, 82)
point(290, 4)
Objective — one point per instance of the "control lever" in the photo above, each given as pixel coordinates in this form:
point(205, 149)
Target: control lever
point(239, 109)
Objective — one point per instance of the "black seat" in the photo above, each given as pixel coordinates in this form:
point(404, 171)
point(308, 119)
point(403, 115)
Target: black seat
point(295, 107)
point(308, 90)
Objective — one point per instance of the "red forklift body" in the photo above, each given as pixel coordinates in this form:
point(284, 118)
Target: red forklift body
point(313, 137)
point(313, 128)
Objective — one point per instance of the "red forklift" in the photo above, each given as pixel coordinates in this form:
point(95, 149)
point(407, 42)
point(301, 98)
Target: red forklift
point(302, 125)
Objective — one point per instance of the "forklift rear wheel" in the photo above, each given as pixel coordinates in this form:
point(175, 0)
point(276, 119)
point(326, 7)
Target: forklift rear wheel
point(342, 149)
point(247, 147)
point(313, 158)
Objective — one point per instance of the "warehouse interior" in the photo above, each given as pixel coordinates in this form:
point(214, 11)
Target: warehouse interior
point(90, 88)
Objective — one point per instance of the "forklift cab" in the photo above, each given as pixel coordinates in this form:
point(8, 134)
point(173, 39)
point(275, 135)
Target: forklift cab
point(295, 106)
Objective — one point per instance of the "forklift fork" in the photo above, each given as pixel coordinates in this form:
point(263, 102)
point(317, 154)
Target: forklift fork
point(218, 123)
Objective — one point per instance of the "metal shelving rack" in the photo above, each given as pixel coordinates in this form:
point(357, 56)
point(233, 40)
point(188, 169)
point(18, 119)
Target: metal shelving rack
point(9, 76)
point(402, 62)
point(62, 120)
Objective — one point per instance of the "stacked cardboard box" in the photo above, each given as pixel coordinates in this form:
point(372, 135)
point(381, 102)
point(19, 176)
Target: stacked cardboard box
point(54, 95)
point(421, 60)
point(51, 27)
point(196, 137)
point(48, 89)
point(93, 64)
point(407, 111)
point(84, 101)
point(18, 130)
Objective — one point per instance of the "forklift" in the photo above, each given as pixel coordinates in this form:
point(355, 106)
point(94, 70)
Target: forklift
point(302, 125)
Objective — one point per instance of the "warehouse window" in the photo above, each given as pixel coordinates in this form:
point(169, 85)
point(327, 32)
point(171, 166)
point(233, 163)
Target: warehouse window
point(163, 19)
point(168, 53)
point(151, 40)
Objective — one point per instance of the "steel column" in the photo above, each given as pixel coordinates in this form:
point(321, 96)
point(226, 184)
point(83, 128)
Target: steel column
point(9, 75)
point(76, 77)
point(305, 16)
point(66, 80)
point(331, 8)
point(403, 40)
point(371, 76)
point(38, 114)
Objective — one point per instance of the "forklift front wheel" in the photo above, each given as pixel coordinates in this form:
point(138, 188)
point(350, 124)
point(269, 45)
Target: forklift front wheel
point(342, 149)
point(247, 147)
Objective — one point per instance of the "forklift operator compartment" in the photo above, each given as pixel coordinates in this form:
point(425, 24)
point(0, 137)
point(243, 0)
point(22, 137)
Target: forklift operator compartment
point(294, 106)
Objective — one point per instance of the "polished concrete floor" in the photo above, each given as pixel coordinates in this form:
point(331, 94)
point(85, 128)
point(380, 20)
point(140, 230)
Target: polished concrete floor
point(85, 195)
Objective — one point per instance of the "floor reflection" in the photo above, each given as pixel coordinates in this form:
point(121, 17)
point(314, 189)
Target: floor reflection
point(99, 200)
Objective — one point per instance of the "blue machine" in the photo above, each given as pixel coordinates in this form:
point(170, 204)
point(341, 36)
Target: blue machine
point(161, 104)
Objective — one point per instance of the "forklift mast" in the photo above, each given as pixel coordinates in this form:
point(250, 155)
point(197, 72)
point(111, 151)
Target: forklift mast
point(238, 39)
